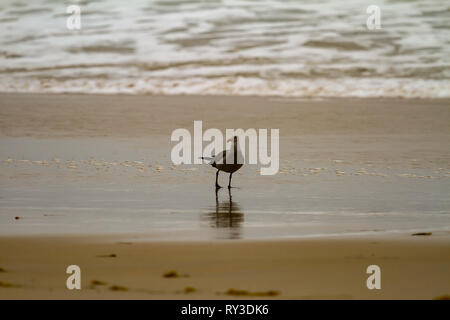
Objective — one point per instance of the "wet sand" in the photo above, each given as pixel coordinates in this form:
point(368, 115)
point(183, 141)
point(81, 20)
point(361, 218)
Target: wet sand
point(372, 171)
point(94, 164)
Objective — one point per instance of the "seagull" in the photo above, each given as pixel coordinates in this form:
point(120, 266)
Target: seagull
point(227, 161)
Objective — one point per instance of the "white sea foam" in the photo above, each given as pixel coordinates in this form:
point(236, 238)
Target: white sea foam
point(402, 88)
point(238, 47)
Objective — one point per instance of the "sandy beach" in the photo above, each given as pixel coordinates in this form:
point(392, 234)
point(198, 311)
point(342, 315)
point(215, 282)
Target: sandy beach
point(354, 97)
point(329, 268)
point(87, 180)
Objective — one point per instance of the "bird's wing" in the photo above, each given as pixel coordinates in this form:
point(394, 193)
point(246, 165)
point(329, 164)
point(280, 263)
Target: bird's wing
point(231, 158)
point(220, 157)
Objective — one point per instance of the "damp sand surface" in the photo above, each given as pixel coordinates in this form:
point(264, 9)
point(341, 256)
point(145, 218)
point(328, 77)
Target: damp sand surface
point(95, 164)
point(87, 180)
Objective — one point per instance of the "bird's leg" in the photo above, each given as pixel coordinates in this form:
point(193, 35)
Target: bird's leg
point(217, 200)
point(229, 181)
point(217, 178)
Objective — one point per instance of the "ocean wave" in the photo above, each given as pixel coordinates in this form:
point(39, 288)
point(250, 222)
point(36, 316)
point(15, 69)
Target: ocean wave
point(238, 47)
point(362, 88)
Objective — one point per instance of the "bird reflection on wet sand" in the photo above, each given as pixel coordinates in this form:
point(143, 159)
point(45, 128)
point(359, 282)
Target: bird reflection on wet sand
point(226, 217)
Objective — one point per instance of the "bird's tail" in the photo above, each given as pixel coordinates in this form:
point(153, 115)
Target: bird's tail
point(207, 158)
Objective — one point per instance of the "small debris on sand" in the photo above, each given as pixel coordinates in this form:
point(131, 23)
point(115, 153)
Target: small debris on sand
point(118, 288)
point(16, 218)
point(7, 285)
point(98, 283)
point(112, 255)
point(2, 270)
point(235, 292)
point(444, 297)
point(171, 274)
point(189, 289)
point(422, 234)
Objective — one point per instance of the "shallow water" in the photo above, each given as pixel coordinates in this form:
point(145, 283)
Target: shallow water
point(101, 186)
point(288, 48)
point(192, 211)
